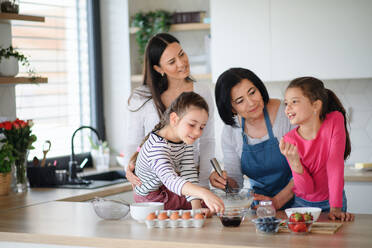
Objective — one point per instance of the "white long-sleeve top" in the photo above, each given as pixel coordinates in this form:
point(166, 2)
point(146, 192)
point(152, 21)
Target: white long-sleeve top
point(232, 143)
point(142, 121)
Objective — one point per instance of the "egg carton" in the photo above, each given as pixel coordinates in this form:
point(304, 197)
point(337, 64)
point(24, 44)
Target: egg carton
point(182, 222)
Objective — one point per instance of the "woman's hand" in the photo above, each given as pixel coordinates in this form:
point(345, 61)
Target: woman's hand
point(337, 214)
point(131, 177)
point(291, 153)
point(220, 182)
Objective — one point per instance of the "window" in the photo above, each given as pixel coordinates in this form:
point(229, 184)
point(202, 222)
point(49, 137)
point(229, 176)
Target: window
point(58, 49)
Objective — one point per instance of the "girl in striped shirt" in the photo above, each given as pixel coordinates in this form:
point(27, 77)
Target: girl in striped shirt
point(165, 159)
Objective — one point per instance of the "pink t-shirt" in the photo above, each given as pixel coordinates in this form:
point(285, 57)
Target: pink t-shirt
point(323, 161)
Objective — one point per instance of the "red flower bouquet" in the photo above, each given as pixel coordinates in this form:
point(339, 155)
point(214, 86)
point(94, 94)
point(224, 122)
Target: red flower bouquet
point(18, 134)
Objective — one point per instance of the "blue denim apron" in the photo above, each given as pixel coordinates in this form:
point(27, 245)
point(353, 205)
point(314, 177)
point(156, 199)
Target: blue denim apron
point(263, 163)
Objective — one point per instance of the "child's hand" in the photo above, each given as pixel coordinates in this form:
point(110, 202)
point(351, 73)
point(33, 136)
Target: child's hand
point(291, 153)
point(206, 212)
point(213, 202)
point(336, 213)
point(131, 176)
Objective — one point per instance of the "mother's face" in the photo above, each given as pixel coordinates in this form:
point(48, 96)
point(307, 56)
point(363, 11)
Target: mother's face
point(246, 100)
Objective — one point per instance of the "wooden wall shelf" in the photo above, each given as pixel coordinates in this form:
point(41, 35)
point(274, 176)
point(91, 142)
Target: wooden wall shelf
point(10, 17)
point(138, 78)
point(23, 80)
point(182, 27)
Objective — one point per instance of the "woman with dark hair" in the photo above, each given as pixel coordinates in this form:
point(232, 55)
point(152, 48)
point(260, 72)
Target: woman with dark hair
point(166, 76)
point(250, 146)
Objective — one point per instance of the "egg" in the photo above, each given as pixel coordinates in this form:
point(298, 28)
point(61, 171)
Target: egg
point(151, 216)
point(163, 216)
point(186, 215)
point(198, 216)
point(174, 216)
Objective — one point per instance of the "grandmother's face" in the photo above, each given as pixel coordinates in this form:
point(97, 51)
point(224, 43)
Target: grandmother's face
point(246, 100)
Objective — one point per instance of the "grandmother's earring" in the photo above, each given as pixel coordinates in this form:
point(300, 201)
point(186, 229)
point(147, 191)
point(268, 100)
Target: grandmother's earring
point(162, 74)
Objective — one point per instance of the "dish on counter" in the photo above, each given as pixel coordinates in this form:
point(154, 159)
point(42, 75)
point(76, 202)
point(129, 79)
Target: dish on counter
point(140, 210)
point(175, 218)
point(239, 198)
point(315, 212)
point(267, 225)
point(109, 209)
point(233, 217)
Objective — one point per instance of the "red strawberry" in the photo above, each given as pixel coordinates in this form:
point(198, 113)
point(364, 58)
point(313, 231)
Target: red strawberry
point(307, 217)
point(296, 217)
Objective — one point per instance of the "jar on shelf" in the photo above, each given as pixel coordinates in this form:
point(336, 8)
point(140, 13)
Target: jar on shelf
point(265, 209)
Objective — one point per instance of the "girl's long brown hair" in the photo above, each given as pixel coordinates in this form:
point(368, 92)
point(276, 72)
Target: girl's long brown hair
point(314, 89)
point(179, 106)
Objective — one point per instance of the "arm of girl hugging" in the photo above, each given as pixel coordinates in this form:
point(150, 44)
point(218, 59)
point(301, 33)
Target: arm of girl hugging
point(335, 162)
point(188, 170)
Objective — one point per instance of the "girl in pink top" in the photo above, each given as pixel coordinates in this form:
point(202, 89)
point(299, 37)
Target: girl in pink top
point(317, 148)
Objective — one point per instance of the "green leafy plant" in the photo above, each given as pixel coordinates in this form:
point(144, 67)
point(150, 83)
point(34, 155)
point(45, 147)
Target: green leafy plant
point(6, 158)
point(11, 52)
point(149, 24)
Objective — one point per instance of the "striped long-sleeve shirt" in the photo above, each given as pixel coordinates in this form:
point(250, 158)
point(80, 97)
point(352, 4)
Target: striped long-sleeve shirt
point(162, 162)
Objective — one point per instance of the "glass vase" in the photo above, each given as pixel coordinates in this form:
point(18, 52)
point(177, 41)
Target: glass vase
point(19, 181)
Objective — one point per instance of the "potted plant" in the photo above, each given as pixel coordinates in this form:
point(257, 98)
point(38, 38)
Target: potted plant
point(9, 58)
point(10, 6)
point(6, 161)
point(19, 135)
point(149, 24)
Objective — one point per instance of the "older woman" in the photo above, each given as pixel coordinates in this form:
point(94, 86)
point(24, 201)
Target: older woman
point(254, 124)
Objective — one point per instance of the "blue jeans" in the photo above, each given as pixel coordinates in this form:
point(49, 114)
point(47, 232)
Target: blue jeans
point(324, 205)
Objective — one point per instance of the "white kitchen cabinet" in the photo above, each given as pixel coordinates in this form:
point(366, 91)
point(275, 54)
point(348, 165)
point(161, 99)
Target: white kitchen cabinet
point(284, 39)
point(359, 199)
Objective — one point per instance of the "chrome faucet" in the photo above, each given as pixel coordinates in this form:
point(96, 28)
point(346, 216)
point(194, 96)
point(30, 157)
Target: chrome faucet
point(72, 165)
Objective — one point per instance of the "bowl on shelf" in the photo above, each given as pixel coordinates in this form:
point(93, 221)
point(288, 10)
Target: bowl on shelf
point(232, 217)
point(315, 212)
point(267, 225)
point(109, 209)
point(300, 227)
point(237, 198)
point(140, 210)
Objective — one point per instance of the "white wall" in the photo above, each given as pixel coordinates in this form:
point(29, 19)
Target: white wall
point(116, 69)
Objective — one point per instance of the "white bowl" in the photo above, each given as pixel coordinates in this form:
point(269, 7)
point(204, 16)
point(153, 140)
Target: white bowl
point(140, 210)
point(315, 212)
point(120, 161)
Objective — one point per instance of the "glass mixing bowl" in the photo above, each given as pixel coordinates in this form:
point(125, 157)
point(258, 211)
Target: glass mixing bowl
point(238, 198)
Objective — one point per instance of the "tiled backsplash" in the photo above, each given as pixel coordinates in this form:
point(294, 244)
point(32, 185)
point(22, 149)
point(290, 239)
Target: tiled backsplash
point(355, 95)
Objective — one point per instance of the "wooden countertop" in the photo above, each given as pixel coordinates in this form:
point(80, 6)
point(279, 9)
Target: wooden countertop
point(36, 196)
point(75, 223)
point(353, 175)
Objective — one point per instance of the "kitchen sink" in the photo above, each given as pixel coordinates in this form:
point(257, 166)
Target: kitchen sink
point(97, 180)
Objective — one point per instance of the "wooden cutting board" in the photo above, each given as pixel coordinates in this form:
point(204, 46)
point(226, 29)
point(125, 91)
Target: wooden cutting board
point(320, 227)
